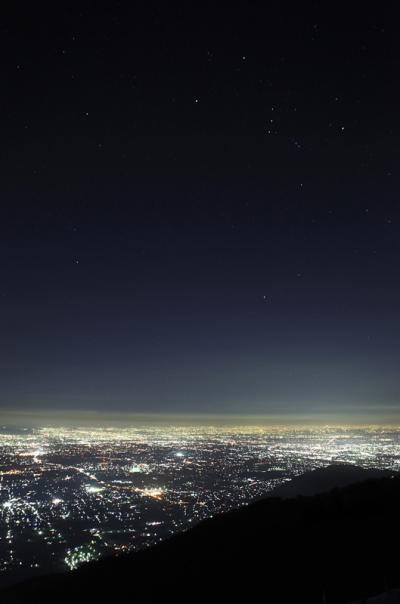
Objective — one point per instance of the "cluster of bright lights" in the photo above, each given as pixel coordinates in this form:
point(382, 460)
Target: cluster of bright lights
point(127, 488)
point(91, 488)
point(155, 493)
point(138, 468)
point(80, 555)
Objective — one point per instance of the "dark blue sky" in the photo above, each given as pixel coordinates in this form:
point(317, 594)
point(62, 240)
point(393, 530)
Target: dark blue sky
point(199, 208)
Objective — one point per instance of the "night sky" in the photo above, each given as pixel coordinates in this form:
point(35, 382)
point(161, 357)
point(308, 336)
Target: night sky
point(199, 207)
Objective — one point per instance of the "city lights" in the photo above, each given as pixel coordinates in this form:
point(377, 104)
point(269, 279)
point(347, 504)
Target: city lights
point(72, 495)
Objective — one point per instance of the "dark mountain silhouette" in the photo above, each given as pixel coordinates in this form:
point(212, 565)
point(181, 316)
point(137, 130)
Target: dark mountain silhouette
point(389, 597)
point(326, 479)
point(334, 547)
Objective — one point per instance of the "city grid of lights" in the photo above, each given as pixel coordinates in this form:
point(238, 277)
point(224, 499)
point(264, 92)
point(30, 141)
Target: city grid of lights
point(72, 495)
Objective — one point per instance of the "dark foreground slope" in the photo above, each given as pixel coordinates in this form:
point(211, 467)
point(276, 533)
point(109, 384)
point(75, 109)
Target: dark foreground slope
point(388, 597)
point(331, 547)
point(326, 479)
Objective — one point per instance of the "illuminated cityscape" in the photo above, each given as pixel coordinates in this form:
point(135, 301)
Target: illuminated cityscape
point(71, 495)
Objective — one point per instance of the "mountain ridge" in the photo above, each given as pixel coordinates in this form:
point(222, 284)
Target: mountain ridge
point(334, 546)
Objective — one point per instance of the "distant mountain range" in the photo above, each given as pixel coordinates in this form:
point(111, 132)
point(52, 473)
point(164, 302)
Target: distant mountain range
point(330, 538)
